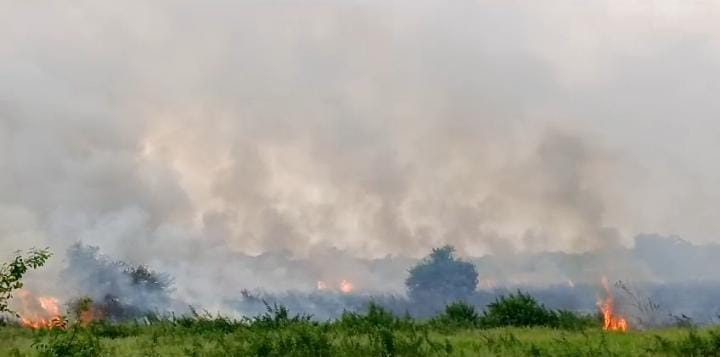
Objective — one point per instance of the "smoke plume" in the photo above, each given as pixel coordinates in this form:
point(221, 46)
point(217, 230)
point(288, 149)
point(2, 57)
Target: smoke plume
point(243, 144)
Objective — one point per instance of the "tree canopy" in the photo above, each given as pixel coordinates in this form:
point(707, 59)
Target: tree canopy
point(442, 277)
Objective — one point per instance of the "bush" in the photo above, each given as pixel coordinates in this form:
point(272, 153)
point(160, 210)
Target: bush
point(110, 330)
point(520, 310)
point(77, 342)
point(277, 316)
point(458, 314)
point(569, 320)
point(205, 322)
point(376, 317)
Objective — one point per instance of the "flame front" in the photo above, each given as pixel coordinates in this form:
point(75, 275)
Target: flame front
point(40, 312)
point(611, 320)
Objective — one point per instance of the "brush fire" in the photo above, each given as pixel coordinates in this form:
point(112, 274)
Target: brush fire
point(40, 312)
point(45, 312)
point(612, 321)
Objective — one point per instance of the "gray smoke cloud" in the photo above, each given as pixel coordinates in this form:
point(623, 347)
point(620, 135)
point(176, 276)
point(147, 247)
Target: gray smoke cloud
point(185, 135)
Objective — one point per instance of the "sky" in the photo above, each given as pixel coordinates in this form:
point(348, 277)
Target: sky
point(150, 129)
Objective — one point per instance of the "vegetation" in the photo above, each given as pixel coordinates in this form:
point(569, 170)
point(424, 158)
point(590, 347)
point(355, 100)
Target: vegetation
point(120, 290)
point(441, 277)
point(512, 325)
point(11, 273)
point(458, 331)
point(522, 310)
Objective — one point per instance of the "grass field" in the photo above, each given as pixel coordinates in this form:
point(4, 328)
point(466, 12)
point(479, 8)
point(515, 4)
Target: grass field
point(164, 341)
point(374, 334)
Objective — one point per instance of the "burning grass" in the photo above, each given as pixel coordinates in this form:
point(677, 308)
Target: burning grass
point(612, 320)
point(38, 312)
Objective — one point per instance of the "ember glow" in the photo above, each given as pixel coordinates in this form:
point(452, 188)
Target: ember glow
point(89, 314)
point(346, 287)
point(611, 320)
point(40, 312)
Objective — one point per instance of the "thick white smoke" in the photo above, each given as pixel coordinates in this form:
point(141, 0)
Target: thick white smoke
point(179, 134)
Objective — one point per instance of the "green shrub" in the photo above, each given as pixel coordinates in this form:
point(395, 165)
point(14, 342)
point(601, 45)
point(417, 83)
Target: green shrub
point(106, 329)
point(457, 315)
point(204, 322)
point(376, 317)
point(520, 310)
point(77, 342)
point(277, 316)
point(569, 320)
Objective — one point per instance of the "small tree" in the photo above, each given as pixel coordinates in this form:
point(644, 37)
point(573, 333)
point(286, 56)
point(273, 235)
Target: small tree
point(11, 273)
point(442, 278)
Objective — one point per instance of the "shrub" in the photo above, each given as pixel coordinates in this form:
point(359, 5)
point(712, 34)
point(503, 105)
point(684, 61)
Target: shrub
point(206, 323)
point(457, 314)
point(518, 310)
point(376, 317)
point(277, 316)
point(77, 342)
point(110, 330)
point(570, 320)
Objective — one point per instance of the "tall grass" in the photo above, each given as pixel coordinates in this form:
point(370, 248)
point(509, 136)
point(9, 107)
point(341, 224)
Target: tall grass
point(514, 325)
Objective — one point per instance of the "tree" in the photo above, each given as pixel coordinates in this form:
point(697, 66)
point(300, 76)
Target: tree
point(442, 278)
point(11, 273)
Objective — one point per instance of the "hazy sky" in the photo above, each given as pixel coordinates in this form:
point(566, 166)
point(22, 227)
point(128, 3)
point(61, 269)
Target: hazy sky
point(373, 126)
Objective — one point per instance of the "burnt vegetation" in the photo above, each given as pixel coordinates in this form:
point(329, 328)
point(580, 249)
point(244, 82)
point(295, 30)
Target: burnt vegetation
point(116, 290)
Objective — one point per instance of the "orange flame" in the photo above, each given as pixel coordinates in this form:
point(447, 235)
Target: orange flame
point(40, 312)
point(346, 287)
point(90, 315)
point(611, 320)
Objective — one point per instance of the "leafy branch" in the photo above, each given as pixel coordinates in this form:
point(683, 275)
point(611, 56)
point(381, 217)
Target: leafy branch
point(11, 273)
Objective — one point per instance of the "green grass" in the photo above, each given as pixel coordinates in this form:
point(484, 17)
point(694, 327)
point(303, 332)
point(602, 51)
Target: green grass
point(512, 326)
point(374, 334)
point(320, 339)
